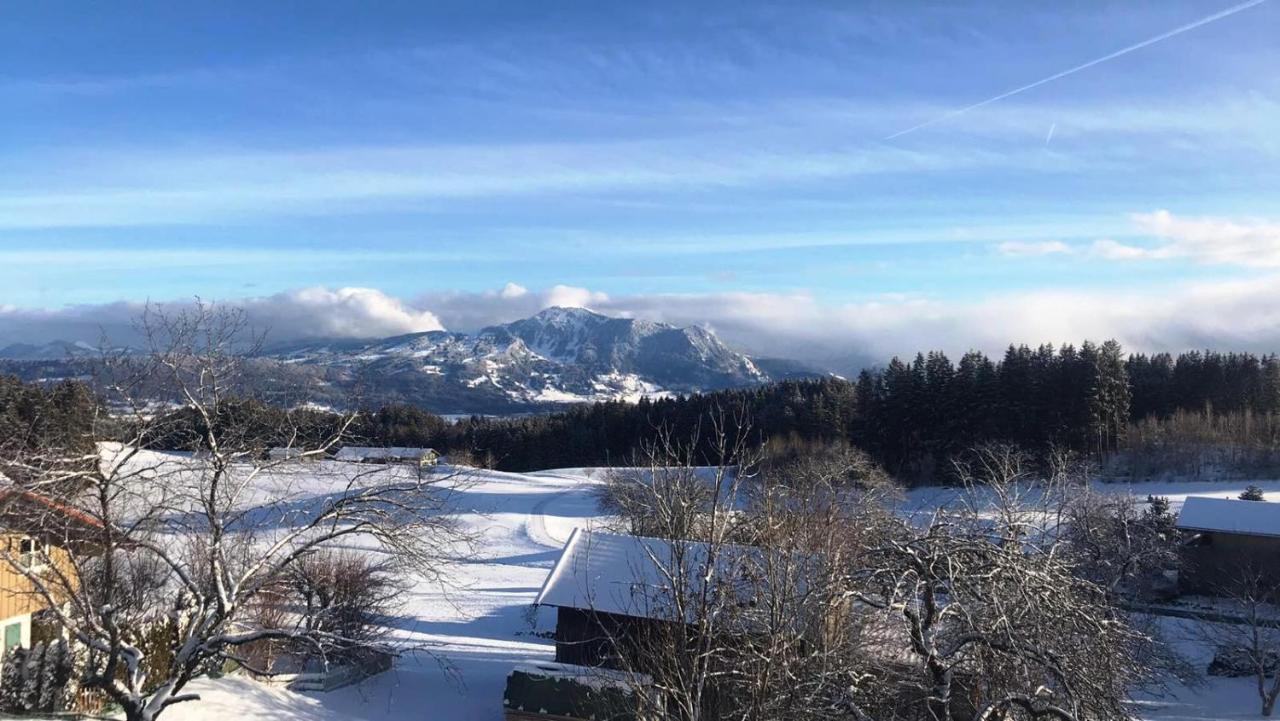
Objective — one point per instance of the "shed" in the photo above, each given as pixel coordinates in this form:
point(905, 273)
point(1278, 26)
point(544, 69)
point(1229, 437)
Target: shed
point(610, 590)
point(1228, 540)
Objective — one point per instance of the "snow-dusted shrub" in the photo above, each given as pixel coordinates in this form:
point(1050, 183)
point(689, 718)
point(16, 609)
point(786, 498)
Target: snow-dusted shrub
point(11, 681)
point(35, 679)
point(344, 599)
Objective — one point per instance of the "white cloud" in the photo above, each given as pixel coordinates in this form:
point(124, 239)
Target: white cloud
point(472, 311)
point(1111, 250)
point(513, 290)
point(183, 187)
point(341, 313)
point(1208, 240)
point(1025, 249)
point(567, 296)
point(1238, 315)
point(1254, 243)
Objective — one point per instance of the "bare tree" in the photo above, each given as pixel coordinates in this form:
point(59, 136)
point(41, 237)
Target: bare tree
point(991, 618)
point(1125, 546)
point(818, 602)
point(345, 597)
point(192, 545)
point(677, 489)
point(1250, 644)
point(998, 629)
point(687, 504)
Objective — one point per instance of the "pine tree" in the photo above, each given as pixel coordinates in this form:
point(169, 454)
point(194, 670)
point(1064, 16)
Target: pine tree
point(1108, 395)
point(1253, 493)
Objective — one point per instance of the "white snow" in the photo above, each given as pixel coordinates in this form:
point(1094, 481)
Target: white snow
point(626, 575)
point(1230, 515)
point(550, 394)
point(481, 624)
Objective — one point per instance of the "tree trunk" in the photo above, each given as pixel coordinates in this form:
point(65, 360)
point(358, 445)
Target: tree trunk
point(1269, 695)
point(135, 713)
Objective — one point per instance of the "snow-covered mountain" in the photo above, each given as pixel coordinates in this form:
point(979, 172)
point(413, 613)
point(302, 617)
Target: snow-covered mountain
point(560, 355)
point(54, 350)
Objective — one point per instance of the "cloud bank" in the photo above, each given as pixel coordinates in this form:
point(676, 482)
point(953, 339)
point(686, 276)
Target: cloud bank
point(1238, 315)
point(290, 316)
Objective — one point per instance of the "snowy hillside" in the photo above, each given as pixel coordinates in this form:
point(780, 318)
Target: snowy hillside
point(480, 624)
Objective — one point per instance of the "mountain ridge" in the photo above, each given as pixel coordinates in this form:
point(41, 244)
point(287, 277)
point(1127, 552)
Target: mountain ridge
point(555, 357)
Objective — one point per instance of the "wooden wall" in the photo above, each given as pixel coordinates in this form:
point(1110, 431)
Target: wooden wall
point(1222, 560)
point(17, 594)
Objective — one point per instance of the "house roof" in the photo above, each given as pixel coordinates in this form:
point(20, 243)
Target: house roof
point(292, 452)
point(30, 512)
point(1230, 515)
point(360, 453)
point(631, 575)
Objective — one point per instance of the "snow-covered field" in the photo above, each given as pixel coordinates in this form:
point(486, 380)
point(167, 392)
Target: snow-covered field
point(481, 625)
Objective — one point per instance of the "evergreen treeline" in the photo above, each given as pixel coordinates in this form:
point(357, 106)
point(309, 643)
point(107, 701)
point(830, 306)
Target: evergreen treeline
point(912, 416)
point(37, 418)
point(1204, 381)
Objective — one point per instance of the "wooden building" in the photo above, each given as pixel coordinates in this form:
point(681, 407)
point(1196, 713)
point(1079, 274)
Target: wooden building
point(1227, 541)
point(612, 591)
point(35, 532)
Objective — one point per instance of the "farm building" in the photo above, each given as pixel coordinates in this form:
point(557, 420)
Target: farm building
point(610, 590)
point(616, 605)
point(1227, 540)
point(292, 454)
point(420, 457)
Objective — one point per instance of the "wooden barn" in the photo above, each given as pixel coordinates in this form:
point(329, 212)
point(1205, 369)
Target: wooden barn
point(1227, 540)
point(611, 590)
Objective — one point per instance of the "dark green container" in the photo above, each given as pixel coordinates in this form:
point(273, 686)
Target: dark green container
point(562, 691)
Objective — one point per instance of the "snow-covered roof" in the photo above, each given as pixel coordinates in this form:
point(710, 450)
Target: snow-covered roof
point(593, 676)
point(362, 453)
point(1230, 515)
point(631, 575)
point(286, 452)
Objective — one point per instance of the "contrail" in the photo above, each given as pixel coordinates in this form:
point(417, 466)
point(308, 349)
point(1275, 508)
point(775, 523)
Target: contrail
point(1049, 137)
point(1124, 51)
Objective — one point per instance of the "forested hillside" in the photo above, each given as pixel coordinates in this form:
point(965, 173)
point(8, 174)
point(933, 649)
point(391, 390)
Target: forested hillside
point(912, 415)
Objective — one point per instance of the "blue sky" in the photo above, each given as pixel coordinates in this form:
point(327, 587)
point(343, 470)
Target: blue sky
point(670, 157)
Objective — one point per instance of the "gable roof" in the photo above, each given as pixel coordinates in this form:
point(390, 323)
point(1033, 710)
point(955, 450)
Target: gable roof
point(632, 575)
point(33, 513)
point(1230, 515)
